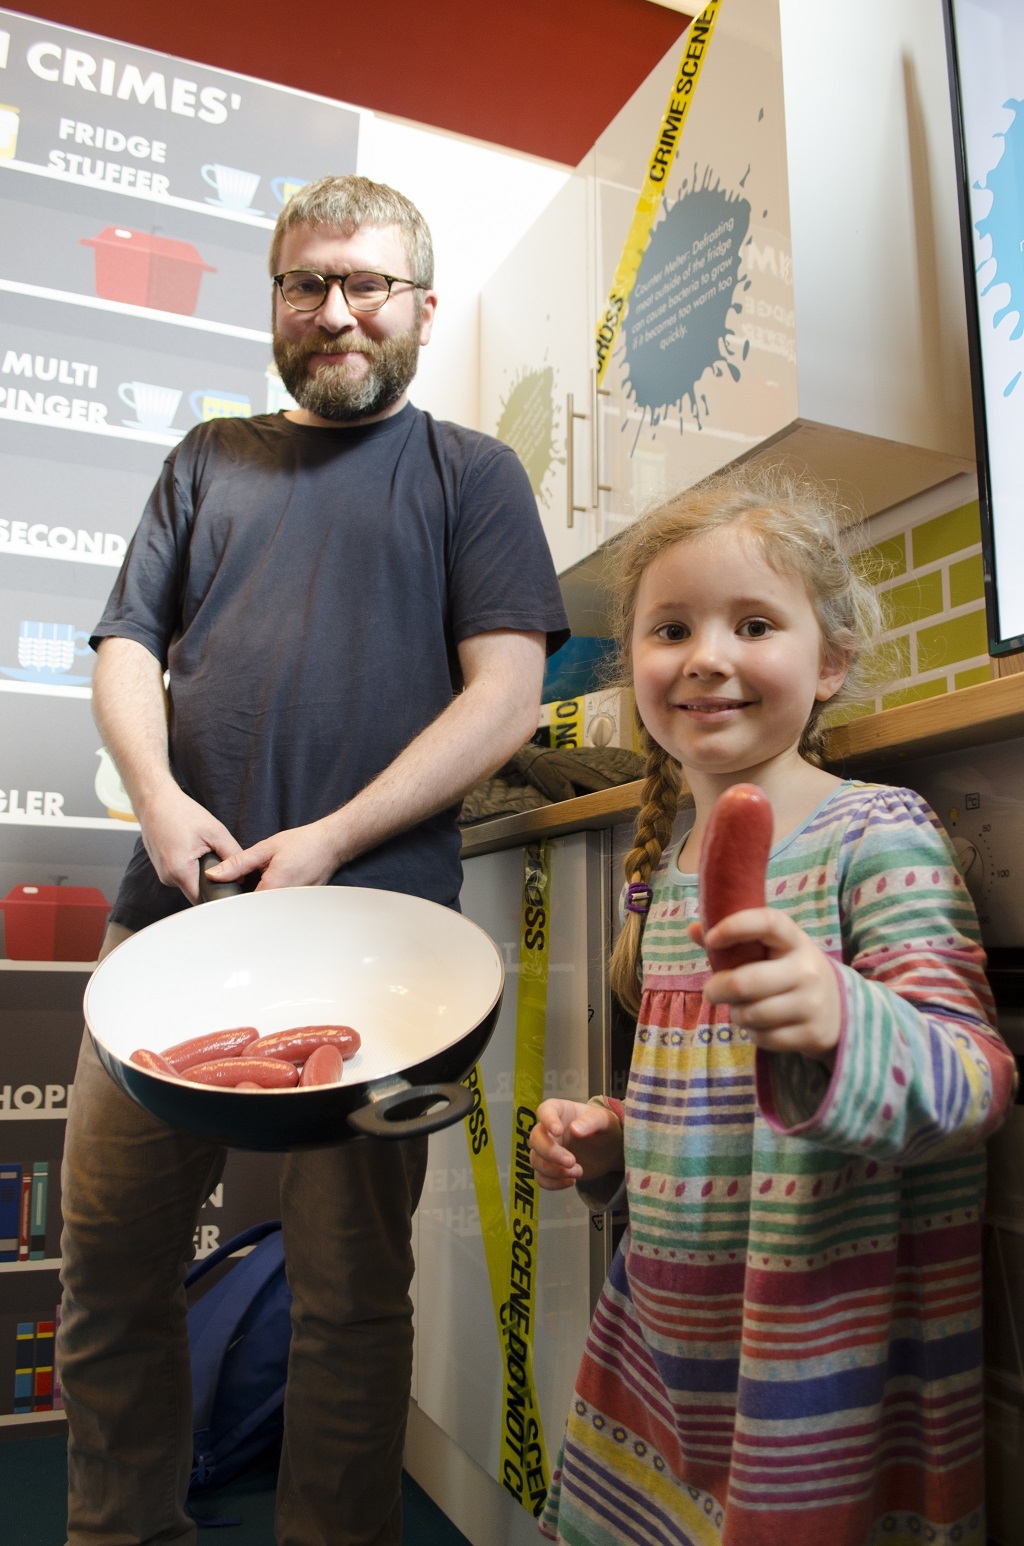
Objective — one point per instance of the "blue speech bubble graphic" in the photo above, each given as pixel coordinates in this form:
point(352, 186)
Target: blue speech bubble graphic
point(677, 326)
point(1004, 224)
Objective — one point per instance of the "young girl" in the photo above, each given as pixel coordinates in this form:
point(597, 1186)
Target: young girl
point(787, 1351)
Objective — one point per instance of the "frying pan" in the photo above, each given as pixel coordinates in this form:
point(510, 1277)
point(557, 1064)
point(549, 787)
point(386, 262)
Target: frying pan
point(420, 983)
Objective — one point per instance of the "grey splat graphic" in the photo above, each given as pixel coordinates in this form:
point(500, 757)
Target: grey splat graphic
point(678, 323)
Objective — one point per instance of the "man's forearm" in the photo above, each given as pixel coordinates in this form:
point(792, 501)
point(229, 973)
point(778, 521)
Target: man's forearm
point(130, 706)
point(130, 709)
point(478, 731)
point(465, 744)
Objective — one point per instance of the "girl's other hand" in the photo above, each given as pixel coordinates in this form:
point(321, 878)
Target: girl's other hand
point(574, 1142)
point(789, 1002)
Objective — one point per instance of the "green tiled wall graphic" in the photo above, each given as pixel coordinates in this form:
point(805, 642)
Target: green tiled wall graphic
point(931, 585)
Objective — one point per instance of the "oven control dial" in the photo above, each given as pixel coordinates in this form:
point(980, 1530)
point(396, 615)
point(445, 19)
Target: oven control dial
point(969, 860)
point(976, 859)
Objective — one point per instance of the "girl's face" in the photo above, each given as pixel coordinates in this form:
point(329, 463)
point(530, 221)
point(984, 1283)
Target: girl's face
point(726, 657)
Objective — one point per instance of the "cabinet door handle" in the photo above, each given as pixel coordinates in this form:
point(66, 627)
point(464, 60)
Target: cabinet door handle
point(596, 394)
point(571, 413)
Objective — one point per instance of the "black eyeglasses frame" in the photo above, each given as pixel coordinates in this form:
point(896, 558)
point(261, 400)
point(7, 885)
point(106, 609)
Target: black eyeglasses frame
point(325, 280)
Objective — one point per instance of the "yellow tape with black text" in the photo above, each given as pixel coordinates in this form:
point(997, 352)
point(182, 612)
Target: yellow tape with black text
point(510, 1242)
point(697, 40)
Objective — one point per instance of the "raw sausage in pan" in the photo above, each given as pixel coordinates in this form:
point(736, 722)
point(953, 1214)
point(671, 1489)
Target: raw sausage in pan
point(203, 1049)
point(324, 1065)
point(297, 1044)
point(268, 1073)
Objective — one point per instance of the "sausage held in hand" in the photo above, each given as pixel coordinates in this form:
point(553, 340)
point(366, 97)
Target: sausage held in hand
point(733, 865)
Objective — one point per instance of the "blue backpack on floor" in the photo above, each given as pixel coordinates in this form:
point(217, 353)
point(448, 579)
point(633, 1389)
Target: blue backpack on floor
point(239, 1331)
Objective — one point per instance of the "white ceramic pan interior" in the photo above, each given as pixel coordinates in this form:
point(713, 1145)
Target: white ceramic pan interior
point(411, 977)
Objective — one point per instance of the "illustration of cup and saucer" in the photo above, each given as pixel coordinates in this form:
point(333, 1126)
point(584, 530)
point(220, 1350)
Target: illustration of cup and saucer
point(110, 791)
point(10, 118)
point(283, 187)
point(234, 188)
point(279, 399)
point(213, 403)
point(154, 406)
point(46, 653)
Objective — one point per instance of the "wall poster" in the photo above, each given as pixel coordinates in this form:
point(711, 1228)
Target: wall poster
point(137, 197)
point(137, 194)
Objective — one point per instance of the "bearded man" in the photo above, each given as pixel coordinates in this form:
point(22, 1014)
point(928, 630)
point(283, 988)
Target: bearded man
point(351, 602)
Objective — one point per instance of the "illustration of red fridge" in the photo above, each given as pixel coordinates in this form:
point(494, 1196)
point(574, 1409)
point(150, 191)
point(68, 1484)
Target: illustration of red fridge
point(139, 269)
point(54, 923)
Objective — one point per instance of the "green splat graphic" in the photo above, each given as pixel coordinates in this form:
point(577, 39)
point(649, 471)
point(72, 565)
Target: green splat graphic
point(527, 424)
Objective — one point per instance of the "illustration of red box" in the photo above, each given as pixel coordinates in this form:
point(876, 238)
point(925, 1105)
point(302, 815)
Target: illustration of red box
point(54, 923)
point(138, 269)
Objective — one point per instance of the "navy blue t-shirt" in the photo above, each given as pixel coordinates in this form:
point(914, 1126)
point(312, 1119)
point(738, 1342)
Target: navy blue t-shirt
point(306, 589)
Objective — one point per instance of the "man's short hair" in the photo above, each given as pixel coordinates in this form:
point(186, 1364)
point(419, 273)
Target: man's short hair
point(348, 204)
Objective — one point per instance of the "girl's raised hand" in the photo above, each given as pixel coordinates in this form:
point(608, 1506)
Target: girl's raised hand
point(574, 1142)
point(789, 1002)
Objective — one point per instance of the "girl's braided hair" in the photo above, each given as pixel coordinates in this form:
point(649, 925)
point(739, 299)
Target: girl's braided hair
point(797, 524)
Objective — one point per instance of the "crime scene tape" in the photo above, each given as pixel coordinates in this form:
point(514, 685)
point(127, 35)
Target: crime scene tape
point(684, 87)
point(510, 1244)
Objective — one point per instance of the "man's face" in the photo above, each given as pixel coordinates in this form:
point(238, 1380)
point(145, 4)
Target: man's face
point(345, 366)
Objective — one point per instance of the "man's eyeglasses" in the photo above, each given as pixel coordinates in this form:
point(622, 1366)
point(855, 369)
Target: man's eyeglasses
point(305, 291)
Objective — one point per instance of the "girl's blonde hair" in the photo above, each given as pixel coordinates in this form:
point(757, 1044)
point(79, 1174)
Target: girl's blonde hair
point(797, 524)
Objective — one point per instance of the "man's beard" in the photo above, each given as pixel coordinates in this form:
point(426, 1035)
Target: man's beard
point(331, 392)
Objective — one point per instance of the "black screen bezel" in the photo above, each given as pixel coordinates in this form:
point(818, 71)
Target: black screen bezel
point(998, 643)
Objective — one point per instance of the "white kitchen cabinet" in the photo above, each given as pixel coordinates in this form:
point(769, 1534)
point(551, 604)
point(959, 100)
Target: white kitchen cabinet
point(799, 291)
point(536, 357)
point(704, 366)
point(697, 376)
point(813, 199)
point(884, 391)
point(459, 1371)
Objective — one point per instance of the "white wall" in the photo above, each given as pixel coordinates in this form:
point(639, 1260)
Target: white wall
point(478, 201)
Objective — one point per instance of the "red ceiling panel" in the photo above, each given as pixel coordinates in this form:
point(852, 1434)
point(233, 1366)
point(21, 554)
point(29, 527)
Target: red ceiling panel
point(539, 76)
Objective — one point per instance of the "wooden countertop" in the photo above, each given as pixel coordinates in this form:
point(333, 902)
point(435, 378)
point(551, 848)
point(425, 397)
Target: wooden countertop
point(974, 716)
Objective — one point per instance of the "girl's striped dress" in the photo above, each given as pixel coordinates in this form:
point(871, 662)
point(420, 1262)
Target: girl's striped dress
point(787, 1351)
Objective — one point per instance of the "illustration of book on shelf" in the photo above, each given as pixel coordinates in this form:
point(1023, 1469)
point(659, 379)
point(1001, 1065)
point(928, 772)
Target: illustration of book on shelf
point(24, 1367)
point(10, 1210)
point(23, 1197)
point(42, 1384)
point(25, 1215)
point(37, 1224)
point(58, 1393)
point(36, 1381)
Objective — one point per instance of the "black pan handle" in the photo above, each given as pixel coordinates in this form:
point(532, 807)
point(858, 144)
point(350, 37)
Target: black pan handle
point(214, 890)
point(382, 1118)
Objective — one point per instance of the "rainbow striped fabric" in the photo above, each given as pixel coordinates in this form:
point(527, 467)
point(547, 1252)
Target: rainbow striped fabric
point(787, 1351)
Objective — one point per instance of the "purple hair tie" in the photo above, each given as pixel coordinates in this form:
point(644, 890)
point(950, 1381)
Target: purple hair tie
point(638, 897)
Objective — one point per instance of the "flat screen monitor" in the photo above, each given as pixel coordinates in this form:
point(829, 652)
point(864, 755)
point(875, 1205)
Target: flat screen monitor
point(985, 41)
